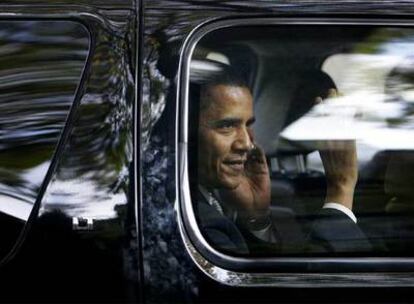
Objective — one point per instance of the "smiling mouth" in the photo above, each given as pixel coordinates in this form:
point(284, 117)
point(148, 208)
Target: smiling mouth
point(235, 165)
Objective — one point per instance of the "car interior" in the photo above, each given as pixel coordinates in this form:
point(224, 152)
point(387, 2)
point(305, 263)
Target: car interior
point(284, 65)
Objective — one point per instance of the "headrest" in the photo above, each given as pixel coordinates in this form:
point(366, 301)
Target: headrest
point(311, 84)
point(399, 176)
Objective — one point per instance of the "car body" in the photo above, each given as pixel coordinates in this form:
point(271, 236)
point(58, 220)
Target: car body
point(108, 219)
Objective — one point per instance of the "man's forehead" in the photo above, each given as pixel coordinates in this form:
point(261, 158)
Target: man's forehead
point(224, 95)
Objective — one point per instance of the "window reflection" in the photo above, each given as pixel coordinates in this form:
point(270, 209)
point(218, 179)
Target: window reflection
point(300, 122)
point(40, 67)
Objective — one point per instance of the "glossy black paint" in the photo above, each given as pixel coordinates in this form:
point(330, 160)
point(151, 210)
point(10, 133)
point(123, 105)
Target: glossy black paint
point(168, 271)
point(91, 174)
point(40, 70)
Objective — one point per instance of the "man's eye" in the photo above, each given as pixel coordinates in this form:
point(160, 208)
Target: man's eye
point(225, 125)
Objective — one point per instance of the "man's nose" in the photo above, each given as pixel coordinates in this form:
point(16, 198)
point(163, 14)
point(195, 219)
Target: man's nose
point(243, 141)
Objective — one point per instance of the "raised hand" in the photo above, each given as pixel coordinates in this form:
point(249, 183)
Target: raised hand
point(252, 197)
point(339, 160)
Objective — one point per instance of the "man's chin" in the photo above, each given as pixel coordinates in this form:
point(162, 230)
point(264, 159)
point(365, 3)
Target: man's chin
point(229, 184)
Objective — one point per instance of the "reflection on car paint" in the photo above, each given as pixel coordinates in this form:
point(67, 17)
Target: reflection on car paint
point(92, 178)
point(39, 72)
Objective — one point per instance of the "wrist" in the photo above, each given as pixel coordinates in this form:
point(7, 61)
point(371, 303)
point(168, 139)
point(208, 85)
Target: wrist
point(340, 194)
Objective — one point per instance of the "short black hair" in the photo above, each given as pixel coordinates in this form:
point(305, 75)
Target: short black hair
point(215, 73)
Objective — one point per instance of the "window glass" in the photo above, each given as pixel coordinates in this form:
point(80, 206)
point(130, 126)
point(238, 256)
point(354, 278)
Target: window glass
point(40, 67)
point(301, 140)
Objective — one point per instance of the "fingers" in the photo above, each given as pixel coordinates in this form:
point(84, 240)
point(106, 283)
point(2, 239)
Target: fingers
point(333, 145)
point(256, 162)
point(257, 154)
point(332, 93)
point(318, 100)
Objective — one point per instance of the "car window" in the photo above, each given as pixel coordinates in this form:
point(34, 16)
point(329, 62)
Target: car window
point(40, 67)
point(300, 140)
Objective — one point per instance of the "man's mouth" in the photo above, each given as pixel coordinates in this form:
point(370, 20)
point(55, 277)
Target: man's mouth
point(236, 165)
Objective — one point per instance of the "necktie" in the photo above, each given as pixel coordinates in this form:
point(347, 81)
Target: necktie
point(211, 199)
point(214, 202)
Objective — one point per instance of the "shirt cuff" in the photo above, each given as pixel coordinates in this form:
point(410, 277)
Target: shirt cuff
point(266, 234)
point(341, 208)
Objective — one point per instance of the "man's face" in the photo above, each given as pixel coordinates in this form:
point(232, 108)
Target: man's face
point(225, 136)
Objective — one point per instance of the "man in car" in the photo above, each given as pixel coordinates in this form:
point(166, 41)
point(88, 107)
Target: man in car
point(233, 204)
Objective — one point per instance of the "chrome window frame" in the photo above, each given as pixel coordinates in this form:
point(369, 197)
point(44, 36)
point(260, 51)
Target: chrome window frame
point(277, 271)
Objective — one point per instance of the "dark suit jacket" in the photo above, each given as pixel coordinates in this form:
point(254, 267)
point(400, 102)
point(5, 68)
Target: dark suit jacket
point(332, 232)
